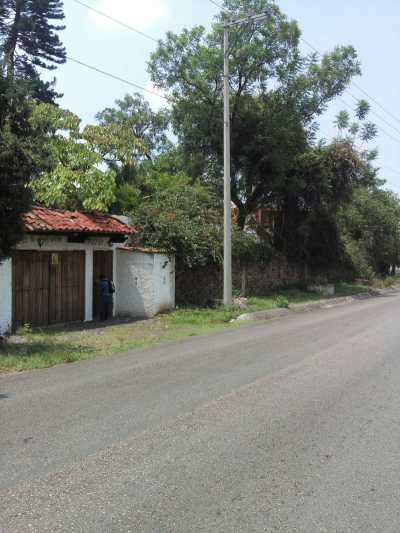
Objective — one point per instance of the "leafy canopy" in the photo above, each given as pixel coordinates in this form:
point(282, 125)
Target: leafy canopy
point(77, 177)
point(276, 96)
point(21, 158)
point(29, 40)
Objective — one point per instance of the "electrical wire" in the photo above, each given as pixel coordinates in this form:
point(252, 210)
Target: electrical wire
point(382, 130)
point(218, 5)
point(383, 119)
point(310, 45)
point(117, 21)
point(118, 78)
point(391, 169)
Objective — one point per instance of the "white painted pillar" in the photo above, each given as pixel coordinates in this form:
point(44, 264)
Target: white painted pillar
point(89, 285)
point(5, 296)
point(115, 279)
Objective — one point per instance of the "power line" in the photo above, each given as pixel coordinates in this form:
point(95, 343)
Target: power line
point(118, 78)
point(117, 21)
point(391, 169)
point(375, 113)
point(376, 102)
point(348, 92)
point(218, 5)
point(380, 127)
point(355, 97)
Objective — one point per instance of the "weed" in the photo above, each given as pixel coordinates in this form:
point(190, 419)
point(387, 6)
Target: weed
point(282, 302)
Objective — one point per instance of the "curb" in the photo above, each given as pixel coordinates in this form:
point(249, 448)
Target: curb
point(326, 303)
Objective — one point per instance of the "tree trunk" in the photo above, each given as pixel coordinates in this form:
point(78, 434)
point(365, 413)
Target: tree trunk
point(12, 41)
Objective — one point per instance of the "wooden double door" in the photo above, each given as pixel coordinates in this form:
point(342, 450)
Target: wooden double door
point(48, 288)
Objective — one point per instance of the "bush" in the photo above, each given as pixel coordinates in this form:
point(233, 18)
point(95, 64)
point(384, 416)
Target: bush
point(282, 302)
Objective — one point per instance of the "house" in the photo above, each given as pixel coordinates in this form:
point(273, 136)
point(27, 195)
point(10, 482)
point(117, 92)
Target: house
point(53, 275)
point(264, 218)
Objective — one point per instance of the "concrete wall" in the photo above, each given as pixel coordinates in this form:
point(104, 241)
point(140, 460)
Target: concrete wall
point(145, 284)
point(164, 283)
point(5, 296)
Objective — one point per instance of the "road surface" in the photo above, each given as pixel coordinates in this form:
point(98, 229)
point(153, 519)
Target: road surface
point(292, 425)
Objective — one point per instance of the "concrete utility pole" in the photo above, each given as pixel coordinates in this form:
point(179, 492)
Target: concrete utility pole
point(227, 159)
point(227, 180)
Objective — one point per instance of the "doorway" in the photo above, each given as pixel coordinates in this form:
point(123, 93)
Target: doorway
point(102, 265)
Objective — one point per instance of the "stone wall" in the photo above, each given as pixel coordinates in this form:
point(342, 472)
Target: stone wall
point(203, 285)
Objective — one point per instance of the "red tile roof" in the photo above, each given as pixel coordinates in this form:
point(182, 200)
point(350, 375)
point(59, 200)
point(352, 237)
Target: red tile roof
point(43, 220)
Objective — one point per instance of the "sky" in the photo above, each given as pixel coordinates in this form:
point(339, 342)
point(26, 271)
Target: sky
point(371, 27)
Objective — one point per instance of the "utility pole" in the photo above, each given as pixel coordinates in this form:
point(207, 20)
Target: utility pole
point(227, 159)
point(227, 180)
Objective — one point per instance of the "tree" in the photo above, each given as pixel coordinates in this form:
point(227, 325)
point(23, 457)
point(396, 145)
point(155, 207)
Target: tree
point(360, 128)
point(276, 95)
point(342, 121)
point(370, 229)
point(29, 40)
point(74, 178)
point(181, 218)
point(325, 178)
point(362, 110)
point(142, 139)
point(135, 113)
point(20, 160)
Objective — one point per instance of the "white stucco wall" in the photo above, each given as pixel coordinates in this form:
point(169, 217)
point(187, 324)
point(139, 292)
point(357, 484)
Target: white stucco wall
point(144, 287)
point(164, 283)
point(5, 296)
point(134, 284)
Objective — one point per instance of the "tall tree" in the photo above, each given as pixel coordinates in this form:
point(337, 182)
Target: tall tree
point(276, 96)
point(20, 161)
point(77, 176)
point(132, 161)
point(325, 177)
point(370, 229)
point(29, 40)
point(74, 178)
point(134, 112)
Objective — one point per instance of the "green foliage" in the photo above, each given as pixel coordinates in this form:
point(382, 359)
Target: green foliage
point(325, 179)
point(20, 159)
point(136, 115)
point(282, 302)
point(276, 96)
point(368, 131)
point(29, 39)
point(370, 228)
point(249, 249)
point(76, 178)
point(181, 218)
point(362, 110)
point(359, 129)
point(342, 120)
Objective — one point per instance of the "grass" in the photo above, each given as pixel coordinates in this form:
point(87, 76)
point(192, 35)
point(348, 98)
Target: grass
point(46, 348)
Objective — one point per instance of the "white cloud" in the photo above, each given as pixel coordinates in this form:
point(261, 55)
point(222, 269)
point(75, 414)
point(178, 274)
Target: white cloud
point(140, 14)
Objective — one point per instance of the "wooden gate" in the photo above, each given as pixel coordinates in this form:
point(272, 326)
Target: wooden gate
point(48, 288)
point(102, 265)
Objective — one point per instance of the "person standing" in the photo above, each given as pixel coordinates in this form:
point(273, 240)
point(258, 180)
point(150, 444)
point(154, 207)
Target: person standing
point(106, 295)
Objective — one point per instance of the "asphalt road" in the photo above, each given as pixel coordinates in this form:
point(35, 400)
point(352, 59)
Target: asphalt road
point(292, 425)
